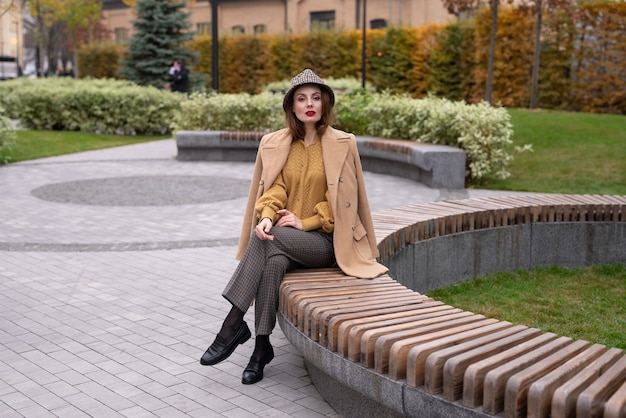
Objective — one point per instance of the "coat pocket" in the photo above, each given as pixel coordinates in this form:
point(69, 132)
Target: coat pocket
point(361, 243)
point(358, 231)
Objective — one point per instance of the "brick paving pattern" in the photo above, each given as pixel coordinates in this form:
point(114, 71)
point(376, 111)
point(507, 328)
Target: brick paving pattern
point(112, 264)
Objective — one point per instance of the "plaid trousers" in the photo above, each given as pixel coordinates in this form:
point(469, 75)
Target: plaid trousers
point(264, 264)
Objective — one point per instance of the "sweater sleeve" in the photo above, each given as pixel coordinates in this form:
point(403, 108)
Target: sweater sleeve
point(322, 217)
point(273, 200)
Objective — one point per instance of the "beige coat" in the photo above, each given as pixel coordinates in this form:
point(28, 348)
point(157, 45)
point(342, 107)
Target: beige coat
point(353, 236)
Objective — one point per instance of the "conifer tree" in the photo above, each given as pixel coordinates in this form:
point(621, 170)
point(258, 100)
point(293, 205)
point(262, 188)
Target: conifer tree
point(161, 30)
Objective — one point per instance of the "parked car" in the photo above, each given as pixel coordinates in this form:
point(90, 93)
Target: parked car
point(9, 67)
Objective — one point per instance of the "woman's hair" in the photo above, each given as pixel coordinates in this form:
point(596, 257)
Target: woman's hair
point(296, 127)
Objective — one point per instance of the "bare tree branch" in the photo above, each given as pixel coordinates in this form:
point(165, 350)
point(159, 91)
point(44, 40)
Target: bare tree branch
point(7, 8)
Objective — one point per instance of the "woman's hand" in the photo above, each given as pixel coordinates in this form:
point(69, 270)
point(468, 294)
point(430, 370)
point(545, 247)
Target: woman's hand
point(288, 219)
point(263, 228)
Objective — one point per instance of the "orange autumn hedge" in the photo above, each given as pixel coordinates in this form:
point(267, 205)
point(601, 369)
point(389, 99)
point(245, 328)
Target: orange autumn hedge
point(583, 58)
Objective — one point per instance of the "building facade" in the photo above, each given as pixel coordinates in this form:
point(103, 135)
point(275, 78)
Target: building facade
point(11, 39)
point(289, 16)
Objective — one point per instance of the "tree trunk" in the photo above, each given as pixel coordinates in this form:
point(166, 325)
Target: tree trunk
point(534, 88)
point(40, 38)
point(492, 51)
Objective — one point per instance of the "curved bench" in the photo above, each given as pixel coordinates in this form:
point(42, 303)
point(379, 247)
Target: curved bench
point(380, 348)
point(436, 166)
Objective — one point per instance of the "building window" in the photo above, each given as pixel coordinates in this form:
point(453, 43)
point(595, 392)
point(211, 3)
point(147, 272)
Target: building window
point(378, 23)
point(203, 28)
point(467, 14)
point(260, 28)
point(121, 35)
point(238, 29)
point(322, 20)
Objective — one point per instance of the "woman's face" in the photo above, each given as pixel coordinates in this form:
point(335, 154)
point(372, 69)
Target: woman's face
point(307, 103)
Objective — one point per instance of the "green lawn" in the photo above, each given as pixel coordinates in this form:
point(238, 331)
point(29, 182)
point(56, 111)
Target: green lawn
point(575, 153)
point(579, 153)
point(39, 144)
point(582, 303)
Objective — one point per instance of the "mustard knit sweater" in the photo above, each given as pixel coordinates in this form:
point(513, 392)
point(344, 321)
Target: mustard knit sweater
point(301, 189)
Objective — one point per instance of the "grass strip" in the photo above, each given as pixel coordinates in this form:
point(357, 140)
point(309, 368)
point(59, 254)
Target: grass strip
point(31, 145)
point(587, 303)
point(579, 153)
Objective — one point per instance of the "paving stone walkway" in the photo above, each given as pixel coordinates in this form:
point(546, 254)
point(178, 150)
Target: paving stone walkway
point(112, 264)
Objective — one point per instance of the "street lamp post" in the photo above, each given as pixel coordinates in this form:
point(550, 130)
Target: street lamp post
point(1, 50)
point(18, 51)
point(214, 47)
point(363, 42)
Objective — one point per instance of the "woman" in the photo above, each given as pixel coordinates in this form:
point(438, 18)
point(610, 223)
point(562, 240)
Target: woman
point(307, 208)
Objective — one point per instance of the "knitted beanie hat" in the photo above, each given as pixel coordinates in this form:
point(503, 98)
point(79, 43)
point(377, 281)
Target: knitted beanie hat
point(307, 77)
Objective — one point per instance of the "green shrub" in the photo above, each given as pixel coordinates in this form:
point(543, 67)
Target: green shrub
point(9, 97)
point(98, 106)
point(244, 112)
point(350, 112)
point(482, 131)
point(230, 112)
point(7, 136)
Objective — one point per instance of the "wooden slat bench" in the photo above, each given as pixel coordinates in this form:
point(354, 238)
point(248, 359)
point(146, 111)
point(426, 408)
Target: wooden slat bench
point(394, 351)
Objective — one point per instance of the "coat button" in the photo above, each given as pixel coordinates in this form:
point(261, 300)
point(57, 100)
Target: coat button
point(261, 182)
point(348, 204)
point(340, 179)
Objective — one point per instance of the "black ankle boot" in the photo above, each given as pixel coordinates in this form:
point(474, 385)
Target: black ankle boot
point(254, 370)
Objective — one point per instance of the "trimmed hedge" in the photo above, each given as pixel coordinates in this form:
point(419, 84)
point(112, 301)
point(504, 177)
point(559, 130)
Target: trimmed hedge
point(599, 71)
point(513, 57)
point(583, 62)
point(7, 136)
point(98, 106)
point(99, 60)
point(230, 112)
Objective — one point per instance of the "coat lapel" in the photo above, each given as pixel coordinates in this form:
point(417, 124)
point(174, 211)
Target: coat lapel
point(273, 155)
point(335, 151)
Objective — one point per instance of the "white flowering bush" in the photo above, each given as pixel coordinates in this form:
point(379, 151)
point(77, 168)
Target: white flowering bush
point(484, 132)
point(393, 116)
point(98, 106)
point(230, 112)
point(7, 136)
point(9, 99)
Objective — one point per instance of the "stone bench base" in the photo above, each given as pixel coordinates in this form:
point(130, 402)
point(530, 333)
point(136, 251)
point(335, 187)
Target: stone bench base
point(217, 145)
point(436, 166)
